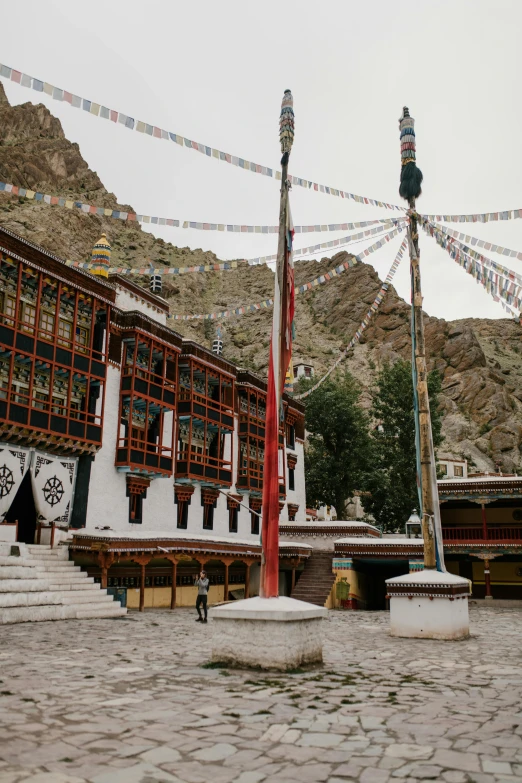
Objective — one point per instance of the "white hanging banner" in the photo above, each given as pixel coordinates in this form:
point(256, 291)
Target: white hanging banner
point(14, 463)
point(53, 486)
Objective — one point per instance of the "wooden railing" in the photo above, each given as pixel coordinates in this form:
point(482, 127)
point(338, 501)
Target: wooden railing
point(477, 534)
point(53, 527)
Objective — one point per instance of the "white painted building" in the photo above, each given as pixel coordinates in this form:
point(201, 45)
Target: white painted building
point(118, 428)
point(303, 370)
point(451, 467)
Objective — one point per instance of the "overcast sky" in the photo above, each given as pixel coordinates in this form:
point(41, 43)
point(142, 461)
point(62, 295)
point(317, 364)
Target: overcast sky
point(215, 72)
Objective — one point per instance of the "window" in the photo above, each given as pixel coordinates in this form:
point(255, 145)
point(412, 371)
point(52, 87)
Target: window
point(28, 317)
point(182, 513)
point(58, 406)
point(459, 471)
point(40, 400)
point(208, 516)
point(47, 325)
point(135, 508)
point(232, 519)
point(82, 339)
point(291, 517)
point(137, 437)
point(10, 309)
point(64, 332)
point(308, 372)
point(254, 522)
point(291, 478)
point(290, 436)
point(443, 468)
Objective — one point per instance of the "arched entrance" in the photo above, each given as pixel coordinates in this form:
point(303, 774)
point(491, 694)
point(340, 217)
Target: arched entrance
point(23, 509)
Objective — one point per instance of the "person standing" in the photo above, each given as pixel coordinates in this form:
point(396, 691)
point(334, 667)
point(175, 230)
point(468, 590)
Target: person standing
point(202, 585)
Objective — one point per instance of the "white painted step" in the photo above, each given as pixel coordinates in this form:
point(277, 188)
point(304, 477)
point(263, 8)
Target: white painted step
point(54, 597)
point(85, 585)
point(24, 614)
point(26, 562)
point(13, 571)
point(118, 611)
point(43, 584)
point(45, 550)
point(65, 578)
point(23, 585)
point(84, 596)
point(56, 574)
point(39, 585)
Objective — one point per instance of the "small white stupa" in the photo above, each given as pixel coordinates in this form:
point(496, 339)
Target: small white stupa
point(430, 603)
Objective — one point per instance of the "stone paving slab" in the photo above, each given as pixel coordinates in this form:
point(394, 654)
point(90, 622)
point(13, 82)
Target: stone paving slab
point(131, 701)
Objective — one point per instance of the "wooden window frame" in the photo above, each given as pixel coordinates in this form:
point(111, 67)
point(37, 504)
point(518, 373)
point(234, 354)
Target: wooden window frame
point(182, 497)
point(81, 426)
point(150, 395)
point(205, 414)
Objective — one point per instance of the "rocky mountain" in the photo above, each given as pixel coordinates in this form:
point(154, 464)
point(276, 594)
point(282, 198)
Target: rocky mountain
point(480, 360)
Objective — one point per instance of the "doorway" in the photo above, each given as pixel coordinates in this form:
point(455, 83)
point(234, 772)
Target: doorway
point(376, 572)
point(23, 509)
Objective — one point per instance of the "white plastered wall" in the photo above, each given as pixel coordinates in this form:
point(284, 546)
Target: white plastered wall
point(108, 502)
point(125, 300)
point(298, 495)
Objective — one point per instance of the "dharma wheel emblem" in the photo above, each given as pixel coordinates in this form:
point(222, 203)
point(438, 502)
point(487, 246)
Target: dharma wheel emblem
point(53, 491)
point(6, 481)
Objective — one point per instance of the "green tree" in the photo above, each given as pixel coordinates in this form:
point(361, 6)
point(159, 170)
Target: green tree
point(392, 481)
point(336, 456)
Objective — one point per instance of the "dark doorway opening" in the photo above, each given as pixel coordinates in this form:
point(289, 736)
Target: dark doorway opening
point(23, 509)
point(376, 573)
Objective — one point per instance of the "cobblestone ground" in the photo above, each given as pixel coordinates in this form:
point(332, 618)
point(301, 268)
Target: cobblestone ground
point(130, 701)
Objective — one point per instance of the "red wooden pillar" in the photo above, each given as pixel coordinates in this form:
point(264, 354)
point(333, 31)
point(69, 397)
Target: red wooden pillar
point(484, 522)
point(293, 581)
point(142, 587)
point(227, 562)
point(104, 577)
point(487, 579)
point(173, 590)
point(225, 591)
point(142, 561)
point(247, 581)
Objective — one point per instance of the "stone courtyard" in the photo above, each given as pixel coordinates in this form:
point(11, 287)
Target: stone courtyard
point(132, 701)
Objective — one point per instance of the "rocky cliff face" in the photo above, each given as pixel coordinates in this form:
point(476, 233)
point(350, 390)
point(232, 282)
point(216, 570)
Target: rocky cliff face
point(480, 360)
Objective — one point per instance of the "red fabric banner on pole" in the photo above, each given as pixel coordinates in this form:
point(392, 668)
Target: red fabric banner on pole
point(280, 357)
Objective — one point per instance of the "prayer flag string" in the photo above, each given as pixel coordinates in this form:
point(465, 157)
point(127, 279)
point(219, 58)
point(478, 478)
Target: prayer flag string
point(505, 290)
point(229, 265)
point(363, 325)
point(476, 242)
point(483, 217)
point(509, 274)
point(324, 278)
point(103, 112)
point(118, 214)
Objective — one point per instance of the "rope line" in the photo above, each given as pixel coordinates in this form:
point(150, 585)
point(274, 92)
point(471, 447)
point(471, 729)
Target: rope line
point(364, 323)
point(481, 269)
point(134, 217)
point(97, 110)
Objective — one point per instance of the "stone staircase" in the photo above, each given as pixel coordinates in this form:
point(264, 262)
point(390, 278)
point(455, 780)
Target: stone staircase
point(42, 584)
point(315, 583)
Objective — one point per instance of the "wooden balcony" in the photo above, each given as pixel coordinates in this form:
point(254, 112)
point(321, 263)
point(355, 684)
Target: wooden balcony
point(475, 535)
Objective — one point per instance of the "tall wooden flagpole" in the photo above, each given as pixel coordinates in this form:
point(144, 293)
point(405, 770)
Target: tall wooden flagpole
point(410, 189)
point(280, 350)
